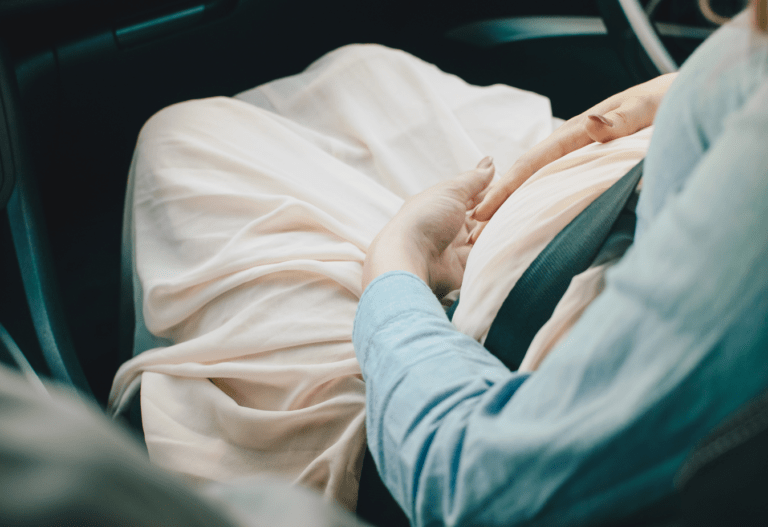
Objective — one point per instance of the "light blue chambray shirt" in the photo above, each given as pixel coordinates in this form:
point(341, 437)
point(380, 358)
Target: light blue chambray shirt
point(676, 342)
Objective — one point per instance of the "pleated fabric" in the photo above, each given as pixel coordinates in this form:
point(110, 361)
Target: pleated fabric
point(248, 220)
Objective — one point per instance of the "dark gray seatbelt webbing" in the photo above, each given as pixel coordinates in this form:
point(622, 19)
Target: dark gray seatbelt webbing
point(534, 297)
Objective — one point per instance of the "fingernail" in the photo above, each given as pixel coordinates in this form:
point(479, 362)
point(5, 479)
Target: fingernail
point(600, 119)
point(486, 162)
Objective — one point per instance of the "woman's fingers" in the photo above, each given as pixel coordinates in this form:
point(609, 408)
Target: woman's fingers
point(633, 114)
point(475, 201)
point(475, 232)
point(627, 112)
point(620, 115)
point(472, 186)
point(498, 194)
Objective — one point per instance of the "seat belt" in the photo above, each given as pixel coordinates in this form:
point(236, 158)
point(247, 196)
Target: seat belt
point(534, 297)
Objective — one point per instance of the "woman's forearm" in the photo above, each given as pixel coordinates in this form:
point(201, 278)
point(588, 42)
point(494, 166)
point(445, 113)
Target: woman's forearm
point(643, 100)
point(570, 136)
point(618, 116)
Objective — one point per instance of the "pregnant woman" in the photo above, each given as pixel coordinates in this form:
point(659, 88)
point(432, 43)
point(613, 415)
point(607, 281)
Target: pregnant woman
point(249, 220)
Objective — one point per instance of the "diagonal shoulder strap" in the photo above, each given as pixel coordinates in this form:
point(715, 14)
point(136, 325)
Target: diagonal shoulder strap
point(533, 298)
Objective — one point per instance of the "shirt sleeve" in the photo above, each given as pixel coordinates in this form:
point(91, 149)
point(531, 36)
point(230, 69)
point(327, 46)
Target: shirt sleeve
point(675, 343)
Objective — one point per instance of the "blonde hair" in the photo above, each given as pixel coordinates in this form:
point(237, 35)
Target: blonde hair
point(760, 13)
point(709, 13)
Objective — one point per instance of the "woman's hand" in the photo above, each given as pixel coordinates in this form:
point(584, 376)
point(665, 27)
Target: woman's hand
point(429, 235)
point(618, 116)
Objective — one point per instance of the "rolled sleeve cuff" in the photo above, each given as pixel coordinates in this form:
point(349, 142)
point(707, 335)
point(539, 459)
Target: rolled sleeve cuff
point(386, 298)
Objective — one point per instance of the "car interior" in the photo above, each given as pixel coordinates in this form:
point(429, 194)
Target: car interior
point(78, 78)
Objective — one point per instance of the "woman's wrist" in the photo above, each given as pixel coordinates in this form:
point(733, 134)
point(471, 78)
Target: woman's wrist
point(428, 235)
point(394, 249)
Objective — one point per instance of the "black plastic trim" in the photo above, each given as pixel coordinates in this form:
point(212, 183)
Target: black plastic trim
point(9, 346)
point(15, 7)
point(31, 245)
point(7, 170)
point(159, 26)
point(30, 242)
point(168, 23)
point(486, 33)
point(492, 32)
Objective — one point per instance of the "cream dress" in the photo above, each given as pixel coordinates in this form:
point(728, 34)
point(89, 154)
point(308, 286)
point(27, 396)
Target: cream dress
point(247, 224)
